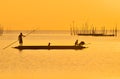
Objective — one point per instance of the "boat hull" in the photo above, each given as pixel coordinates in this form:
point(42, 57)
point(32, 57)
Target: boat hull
point(48, 47)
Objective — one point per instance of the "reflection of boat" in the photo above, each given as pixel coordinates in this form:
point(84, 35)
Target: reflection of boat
point(49, 47)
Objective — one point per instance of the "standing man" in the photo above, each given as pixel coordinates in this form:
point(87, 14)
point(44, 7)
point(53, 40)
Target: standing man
point(20, 38)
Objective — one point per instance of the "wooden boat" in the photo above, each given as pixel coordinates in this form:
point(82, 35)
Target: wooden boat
point(49, 47)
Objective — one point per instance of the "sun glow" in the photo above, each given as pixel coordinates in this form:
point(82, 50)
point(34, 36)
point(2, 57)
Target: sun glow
point(58, 15)
point(113, 4)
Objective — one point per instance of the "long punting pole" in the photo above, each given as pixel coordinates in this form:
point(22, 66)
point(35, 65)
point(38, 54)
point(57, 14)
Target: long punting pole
point(17, 40)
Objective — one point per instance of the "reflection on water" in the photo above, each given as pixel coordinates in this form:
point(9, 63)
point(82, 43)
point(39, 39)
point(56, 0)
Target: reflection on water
point(99, 60)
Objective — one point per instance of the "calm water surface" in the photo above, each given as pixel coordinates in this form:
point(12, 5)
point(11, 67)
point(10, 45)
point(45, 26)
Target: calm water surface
point(100, 60)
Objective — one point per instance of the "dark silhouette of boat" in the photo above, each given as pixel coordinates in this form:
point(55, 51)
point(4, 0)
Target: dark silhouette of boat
point(49, 47)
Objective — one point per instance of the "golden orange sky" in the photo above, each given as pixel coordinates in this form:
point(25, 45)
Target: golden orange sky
point(58, 14)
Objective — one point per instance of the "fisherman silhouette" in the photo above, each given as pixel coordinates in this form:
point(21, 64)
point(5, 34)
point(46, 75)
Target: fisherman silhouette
point(49, 44)
point(76, 42)
point(20, 38)
point(81, 43)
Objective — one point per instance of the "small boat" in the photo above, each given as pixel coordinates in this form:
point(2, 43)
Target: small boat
point(49, 47)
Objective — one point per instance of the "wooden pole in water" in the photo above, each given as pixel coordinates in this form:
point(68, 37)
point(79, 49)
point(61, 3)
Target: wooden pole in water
point(71, 30)
point(116, 30)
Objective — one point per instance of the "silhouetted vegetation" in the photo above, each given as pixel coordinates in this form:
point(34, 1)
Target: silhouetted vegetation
point(93, 31)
